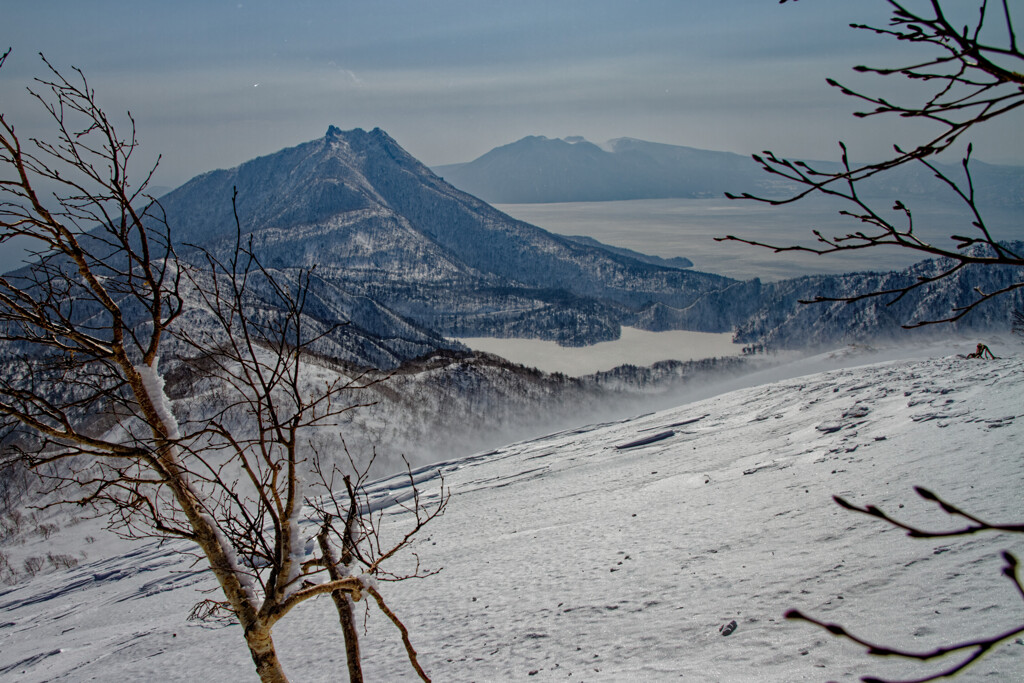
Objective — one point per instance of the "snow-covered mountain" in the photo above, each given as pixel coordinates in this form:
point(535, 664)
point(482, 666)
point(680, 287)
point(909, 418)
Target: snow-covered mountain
point(409, 259)
point(619, 551)
point(378, 224)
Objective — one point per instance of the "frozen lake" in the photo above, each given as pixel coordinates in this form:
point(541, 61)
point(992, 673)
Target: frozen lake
point(687, 227)
point(635, 347)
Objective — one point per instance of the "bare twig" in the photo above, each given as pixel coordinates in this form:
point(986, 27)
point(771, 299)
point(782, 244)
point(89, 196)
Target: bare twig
point(409, 649)
point(976, 78)
point(974, 648)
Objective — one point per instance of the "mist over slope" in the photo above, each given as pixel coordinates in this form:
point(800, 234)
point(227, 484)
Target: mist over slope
point(605, 558)
point(451, 403)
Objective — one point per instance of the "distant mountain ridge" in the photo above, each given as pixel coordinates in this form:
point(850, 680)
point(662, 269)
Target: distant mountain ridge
point(536, 169)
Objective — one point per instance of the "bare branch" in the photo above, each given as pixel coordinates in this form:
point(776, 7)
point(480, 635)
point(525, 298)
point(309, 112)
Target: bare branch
point(976, 80)
point(973, 649)
point(975, 525)
point(409, 650)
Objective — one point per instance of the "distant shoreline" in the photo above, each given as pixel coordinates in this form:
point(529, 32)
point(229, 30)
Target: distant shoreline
point(687, 227)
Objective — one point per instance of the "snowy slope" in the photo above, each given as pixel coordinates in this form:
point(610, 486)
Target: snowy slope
point(572, 557)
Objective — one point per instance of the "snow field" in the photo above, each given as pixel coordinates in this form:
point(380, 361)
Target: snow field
point(572, 558)
point(571, 582)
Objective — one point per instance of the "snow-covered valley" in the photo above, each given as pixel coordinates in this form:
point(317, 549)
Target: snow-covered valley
point(578, 556)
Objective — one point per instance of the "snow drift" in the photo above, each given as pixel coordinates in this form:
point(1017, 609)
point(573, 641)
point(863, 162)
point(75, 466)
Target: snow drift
point(601, 554)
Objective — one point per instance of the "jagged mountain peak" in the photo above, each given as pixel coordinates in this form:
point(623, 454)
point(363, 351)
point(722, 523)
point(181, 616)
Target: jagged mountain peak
point(310, 183)
point(357, 146)
point(379, 224)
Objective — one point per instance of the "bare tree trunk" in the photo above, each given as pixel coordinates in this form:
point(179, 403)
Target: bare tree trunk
point(264, 656)
point(343, 602)
point(348, 626)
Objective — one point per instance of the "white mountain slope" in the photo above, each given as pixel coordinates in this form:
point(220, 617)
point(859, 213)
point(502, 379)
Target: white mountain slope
point(573, 557)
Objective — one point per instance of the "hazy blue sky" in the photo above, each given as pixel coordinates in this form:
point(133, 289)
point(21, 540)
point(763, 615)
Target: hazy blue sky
point(212, 84)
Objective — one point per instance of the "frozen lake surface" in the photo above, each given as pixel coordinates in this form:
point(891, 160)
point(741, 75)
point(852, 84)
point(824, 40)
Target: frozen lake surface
point(634, 347)
point(687, 228)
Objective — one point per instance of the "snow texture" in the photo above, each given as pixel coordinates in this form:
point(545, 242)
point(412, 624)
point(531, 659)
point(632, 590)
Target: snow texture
point(566, 558)
point(297, 551)
point(153, 382)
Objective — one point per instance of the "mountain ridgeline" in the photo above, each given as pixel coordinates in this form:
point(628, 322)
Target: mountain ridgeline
point(537, 169)
point(394, 242)
point(408, 261)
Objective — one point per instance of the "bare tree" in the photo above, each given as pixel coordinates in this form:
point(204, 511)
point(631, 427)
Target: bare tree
point(351, 522)
point(976, 74)
point(260, 476)
point(83, 399)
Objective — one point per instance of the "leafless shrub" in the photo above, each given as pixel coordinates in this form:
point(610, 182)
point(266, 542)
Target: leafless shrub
point(8, 574)
point(47, 530)
point(34, 564)
point(61, 561)
point(11, 524)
